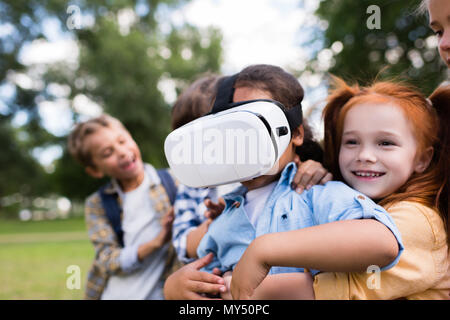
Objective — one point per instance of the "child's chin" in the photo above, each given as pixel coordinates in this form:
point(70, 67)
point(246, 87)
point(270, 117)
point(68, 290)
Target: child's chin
point(134, 170)
point(259, 182)
point(274, 170)
point(372, 194)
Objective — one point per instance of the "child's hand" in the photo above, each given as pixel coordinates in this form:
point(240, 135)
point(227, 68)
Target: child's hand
point(166, 223)
point(309, 173)
point(145, 249)
point(189, 283)
point(214, 209)
point(227, 276)
point(249, 272)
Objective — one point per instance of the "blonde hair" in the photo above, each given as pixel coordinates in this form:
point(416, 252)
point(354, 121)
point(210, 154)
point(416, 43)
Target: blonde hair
point(76, 140)
point(422, 9)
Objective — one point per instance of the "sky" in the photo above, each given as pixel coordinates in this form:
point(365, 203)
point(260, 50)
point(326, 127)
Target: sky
point(254, 31)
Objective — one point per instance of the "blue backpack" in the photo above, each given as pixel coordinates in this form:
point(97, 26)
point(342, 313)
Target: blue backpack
point(112, 208)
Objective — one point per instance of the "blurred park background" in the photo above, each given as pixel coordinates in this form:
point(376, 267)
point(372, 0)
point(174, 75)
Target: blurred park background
point(65, 61)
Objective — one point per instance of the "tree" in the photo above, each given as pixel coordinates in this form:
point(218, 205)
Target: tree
point(19, 170)
point(399, 44)
point(128, 56)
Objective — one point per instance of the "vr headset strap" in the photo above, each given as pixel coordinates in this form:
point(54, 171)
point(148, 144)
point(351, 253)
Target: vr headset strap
point(294, 116)
point(225, 92)
point(224, 101)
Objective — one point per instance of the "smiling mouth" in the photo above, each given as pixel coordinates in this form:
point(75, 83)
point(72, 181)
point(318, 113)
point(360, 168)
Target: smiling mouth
point(368, 174)
point(128, 164)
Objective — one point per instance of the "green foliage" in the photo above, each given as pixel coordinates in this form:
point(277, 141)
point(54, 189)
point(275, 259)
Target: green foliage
point(70, 179)
point(398, 49)
point(19, 171)
point(121, 68)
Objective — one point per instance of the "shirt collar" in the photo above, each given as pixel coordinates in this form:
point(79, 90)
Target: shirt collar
point(109, 188)
point(114, 187)
point(288, 174)
point(239, 191)
point(286, 178)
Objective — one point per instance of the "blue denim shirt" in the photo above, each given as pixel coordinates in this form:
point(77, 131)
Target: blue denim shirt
point(231, 233)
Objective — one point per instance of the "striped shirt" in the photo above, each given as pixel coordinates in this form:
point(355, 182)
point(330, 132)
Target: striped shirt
point(190, 210)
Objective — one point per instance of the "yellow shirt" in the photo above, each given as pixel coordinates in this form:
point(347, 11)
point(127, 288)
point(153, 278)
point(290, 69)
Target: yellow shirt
point(421, 273)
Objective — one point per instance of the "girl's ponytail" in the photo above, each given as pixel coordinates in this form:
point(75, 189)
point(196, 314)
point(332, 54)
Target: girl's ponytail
point(440, 101)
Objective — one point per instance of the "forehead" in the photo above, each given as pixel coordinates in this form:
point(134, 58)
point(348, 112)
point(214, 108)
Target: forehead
point(377, 117)
point(439, 10)
point(249, 93)
point(102, 137)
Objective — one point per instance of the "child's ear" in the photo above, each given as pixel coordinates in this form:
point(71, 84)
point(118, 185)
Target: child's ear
point(297, 136)
point(423, 161)
point(94, 172)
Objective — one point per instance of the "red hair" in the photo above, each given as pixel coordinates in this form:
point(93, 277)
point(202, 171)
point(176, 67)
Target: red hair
point(428, 118)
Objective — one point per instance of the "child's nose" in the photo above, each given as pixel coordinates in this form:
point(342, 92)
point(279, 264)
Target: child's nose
point(444, 43)
point(366, 154)
point(122, 151)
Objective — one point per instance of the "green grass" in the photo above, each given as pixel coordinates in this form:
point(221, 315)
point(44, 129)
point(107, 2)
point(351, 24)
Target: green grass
point(58, 225)
point(35, 256)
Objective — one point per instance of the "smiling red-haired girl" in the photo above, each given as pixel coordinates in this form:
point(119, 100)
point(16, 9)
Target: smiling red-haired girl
point(391, 143)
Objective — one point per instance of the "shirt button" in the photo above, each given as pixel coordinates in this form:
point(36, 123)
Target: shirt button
point(360, 197)
point(236, 204)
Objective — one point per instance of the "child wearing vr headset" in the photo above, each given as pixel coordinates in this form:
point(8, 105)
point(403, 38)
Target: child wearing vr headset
point(390, 142)
point(267, 204)
point(195, 208)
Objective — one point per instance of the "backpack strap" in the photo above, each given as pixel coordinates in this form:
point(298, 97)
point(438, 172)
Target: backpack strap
point(168, 184)
point(113, 210)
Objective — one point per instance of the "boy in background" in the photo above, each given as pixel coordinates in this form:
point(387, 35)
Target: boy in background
point(129, 220)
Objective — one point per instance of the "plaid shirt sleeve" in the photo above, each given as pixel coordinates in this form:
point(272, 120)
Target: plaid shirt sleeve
point(102, 236)
point(189, 214)
point(107, 248)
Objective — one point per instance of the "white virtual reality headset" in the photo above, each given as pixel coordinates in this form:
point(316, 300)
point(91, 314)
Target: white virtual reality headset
point(234, 142)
